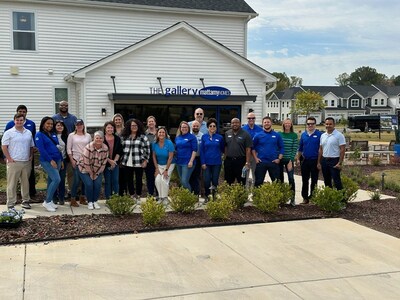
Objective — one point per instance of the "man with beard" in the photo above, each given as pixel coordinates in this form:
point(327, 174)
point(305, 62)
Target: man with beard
point(267, 152)
point(196, 174)
point(31, 126)
point(199, 117)
point(238, 145)
point(252, 128)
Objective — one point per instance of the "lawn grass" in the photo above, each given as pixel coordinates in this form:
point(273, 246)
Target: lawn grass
point(390, 175)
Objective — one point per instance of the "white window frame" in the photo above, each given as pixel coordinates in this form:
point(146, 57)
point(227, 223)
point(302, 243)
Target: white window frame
point(357, 101)
point(32, 31)
point(57, 101)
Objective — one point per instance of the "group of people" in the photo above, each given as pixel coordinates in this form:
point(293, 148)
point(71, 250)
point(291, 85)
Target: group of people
point(123, 152)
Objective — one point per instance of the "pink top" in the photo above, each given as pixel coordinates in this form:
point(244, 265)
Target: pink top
point(76, 143)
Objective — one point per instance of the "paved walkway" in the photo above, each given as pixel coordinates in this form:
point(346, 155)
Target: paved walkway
point(314, 259)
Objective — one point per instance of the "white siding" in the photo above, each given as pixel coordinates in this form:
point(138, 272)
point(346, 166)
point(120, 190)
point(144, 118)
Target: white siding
point(180, 60)
point(69, 38)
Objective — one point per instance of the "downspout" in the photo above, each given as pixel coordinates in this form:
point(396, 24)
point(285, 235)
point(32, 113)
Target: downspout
point(78, 84)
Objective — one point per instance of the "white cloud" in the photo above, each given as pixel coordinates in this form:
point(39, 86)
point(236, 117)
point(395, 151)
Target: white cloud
point(320, 39)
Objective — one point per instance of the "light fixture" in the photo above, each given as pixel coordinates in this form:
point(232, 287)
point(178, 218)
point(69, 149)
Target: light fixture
point(103, 112)
point(50, 71)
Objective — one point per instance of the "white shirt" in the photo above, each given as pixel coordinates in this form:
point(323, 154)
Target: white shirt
point(331, 143)
point(19, 143)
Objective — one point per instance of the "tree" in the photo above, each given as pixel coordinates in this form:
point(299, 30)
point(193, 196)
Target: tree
point(308, 102)
point(285, 82)
point(343, 79)
point(395, 80)
point(367, 76)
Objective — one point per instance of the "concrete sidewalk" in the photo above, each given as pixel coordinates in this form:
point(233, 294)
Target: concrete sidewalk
point(315, 259)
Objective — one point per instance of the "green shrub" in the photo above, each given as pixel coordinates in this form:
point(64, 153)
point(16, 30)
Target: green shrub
point(373, 182)
point(393, 186)
point(219, 210)
point(328, 199)
point(236, 193)
point(268, 196)
point(375, 195)
point(182, 200)
point(350, 188)
point(375, 161)
point(121, 205)
point(152, 212)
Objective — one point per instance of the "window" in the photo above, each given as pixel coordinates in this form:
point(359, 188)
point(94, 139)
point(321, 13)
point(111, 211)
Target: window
point(24, 31)
point(382, 102)
point(326, 102)
point(354, 102)
point(376, 101)
point(60, 94)
point(332, 102)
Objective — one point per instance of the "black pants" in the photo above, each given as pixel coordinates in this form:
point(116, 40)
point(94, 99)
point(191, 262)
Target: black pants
point(126, 183)
point(194, 180)
point(309, 169)
point(233, 169)
point(330, 173)
point(150, 179)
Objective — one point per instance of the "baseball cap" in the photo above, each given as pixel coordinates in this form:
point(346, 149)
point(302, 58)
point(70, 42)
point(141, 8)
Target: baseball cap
point(79, 121)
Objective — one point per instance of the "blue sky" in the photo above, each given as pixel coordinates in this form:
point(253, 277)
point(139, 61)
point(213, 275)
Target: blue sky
point(319, 39)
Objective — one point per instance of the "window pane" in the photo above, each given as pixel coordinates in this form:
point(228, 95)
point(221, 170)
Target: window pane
point(60, 94)
point(24, 41)
point(23, 21)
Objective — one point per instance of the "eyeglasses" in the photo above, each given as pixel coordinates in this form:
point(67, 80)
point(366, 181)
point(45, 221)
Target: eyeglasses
point(309, 124)
point(199, 114)
point(251, 118)
point(212, 126)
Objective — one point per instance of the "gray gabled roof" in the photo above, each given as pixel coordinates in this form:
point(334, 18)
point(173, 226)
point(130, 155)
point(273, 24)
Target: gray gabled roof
point(367, 91)
point(339, 91)
point(212, 5)
point(389, 90)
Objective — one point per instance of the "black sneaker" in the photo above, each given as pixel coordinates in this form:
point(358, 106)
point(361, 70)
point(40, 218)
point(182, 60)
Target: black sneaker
point(26, 205)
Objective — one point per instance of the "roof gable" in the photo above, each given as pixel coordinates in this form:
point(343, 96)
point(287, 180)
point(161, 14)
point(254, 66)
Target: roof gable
point(81, 73)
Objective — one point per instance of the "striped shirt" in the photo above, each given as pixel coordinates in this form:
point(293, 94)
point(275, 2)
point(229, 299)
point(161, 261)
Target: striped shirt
point(135, 151)
point(93, 161)
point(290, 144)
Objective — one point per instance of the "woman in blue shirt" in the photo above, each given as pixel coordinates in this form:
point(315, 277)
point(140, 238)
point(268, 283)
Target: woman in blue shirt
point(186, 148)
point(50, 158)
point(163, 155)
point(211, 149)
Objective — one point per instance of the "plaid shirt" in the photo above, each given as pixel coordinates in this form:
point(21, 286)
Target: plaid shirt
point(93, 160)
point(139, 148)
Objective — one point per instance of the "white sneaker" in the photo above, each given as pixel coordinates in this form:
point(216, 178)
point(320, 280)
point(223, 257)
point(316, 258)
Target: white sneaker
point(53, 205)
point(48, 207)
point(96, 205)
point(90, 205)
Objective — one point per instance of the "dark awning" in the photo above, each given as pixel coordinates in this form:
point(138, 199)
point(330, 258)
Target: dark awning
point(160, 97)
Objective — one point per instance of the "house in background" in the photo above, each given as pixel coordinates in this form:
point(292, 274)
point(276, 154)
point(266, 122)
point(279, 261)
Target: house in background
point(135, 57)
point(340, 102)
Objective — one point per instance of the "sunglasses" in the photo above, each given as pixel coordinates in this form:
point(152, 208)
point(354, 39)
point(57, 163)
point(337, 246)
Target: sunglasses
point(199, 114)
point(309, 124)
point(251, 118)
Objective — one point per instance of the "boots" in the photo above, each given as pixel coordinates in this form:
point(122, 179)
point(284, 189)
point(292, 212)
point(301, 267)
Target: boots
point(82, 200)
point(74, 203)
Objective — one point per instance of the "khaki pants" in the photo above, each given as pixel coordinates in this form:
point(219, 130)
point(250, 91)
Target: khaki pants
point(19, 170)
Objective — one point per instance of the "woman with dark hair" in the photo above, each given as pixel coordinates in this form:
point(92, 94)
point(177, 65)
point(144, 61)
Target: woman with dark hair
point(91, 166)
point(136, 151)
point(290, 146)
point(212, 148)
point(163, 155)
point(186, 148)
point(111, 172)
point(50, 158)
point(150, 168)
point(76, 142)
point(62, 136)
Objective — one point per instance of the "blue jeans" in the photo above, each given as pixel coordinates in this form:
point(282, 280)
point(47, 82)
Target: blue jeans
point(284, 165)
point(330, 173)
point(184, 175)
point(261, 170)
point(211, 176)
point(76, 183)
point(60, 192)
point(92, 187)
point(53, 178)
point(111, 181)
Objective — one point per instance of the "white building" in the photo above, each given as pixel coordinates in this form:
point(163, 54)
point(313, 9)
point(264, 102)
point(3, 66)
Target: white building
point(125, 56)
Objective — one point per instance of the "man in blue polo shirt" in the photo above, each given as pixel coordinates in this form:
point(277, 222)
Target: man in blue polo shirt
point(252, 128)
point(307, 157)
point(267, 152)
point(31, 126)
point(331, 154)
